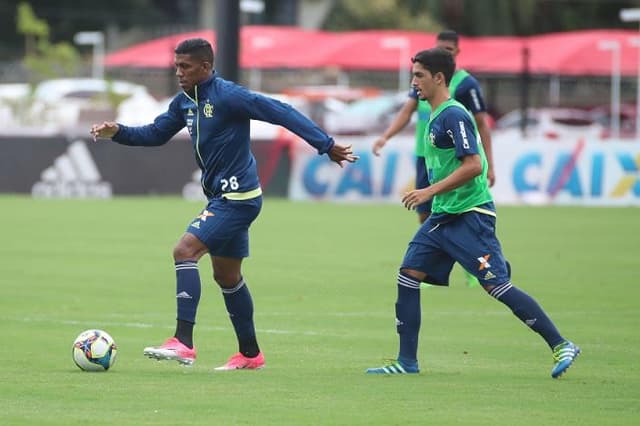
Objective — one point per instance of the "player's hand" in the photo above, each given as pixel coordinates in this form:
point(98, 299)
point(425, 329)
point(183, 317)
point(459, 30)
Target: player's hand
point(491, 177)
point(416, 197)
point(378, 145)
point(105, 130)
point(339, 153)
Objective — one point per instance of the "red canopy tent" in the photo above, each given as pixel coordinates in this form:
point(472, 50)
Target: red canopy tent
point(571, 53)
point(381, 50)
point(498, 55)
point(261, 47)
point(578, 53)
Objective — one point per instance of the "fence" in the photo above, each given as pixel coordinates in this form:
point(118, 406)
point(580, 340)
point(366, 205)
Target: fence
point(502, 92)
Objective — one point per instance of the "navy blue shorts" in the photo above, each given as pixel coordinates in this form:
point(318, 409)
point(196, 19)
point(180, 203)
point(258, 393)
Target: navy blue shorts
point(422, 181)
point(469, 239)
point(223, 226)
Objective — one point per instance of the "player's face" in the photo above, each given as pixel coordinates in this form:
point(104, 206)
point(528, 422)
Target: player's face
point(423, 81)
point(190, 71)
point(449, 46)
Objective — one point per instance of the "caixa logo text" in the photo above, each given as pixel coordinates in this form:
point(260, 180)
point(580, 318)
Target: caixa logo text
point(366, 177)
point(594, 174)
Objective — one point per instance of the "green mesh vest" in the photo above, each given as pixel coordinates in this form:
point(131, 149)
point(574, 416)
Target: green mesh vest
point(441, 162)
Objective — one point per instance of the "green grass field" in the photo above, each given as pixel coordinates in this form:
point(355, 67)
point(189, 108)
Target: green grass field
point(323, 281)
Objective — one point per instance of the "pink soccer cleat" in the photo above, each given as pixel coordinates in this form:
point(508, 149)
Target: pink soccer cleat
point(240, 362)
point(172, 349)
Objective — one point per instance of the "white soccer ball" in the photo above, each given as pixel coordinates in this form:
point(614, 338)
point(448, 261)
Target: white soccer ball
point(94, 350)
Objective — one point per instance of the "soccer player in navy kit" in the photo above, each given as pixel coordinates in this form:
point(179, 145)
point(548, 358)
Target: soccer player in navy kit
point(461, 227)
point(463, 88)
point(217, 114)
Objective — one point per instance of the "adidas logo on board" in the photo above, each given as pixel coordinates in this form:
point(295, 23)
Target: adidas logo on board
point(74, 174)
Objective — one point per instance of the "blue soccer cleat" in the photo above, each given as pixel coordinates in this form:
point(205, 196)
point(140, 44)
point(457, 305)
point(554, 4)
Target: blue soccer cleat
point(396, 367)
point(563, 355)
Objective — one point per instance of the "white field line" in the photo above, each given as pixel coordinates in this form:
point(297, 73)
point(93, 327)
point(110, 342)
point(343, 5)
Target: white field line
point(146, 325)
point(149, 325)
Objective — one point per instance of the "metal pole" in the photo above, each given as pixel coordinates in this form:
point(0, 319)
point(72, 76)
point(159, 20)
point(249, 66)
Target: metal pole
point(227, 38)
point(633, 15)
point(96, 40)
point(404, 56)
point(525, 81)
point(638, 98)
point(614, 47)
point(403, 45)
point(98, 59)
point(615, 92)
point(554, 90)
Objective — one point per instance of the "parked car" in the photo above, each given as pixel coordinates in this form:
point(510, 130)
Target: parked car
point(366, 116)
point(602, 114)
point(551, 123)
point(64, 104)
point(13, 98)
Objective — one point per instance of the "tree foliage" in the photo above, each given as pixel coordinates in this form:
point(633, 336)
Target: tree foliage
point(42, 58)
point(379, 14)
point(468, 17)
point(28, 24)
point(480, 17)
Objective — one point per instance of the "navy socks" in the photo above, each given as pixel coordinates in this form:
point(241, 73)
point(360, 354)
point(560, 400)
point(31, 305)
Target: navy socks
point(240, 308)
point(408, 318)
point(408, 315)
point(188, 292)
point(237, 300)
point(529, 312)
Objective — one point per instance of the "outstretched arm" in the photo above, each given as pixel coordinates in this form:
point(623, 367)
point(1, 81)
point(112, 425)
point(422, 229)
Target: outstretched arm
point(485, 136)
point(163, 128)
point(399, 122)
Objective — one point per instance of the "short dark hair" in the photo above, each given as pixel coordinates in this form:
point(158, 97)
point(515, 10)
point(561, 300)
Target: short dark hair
point(198, 48)
point(436, 60)
point(448, 35)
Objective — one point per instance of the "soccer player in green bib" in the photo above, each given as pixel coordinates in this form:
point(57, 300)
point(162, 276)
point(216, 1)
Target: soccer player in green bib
point(461, 227)
point(465, 89)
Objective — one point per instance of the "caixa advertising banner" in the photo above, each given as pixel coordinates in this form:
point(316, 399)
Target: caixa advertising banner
point(372, 178)
point(578, 172)
point(570, 172)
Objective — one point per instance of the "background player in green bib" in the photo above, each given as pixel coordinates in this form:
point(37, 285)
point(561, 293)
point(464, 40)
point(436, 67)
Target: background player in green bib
point(464, 88)
point(461, 227)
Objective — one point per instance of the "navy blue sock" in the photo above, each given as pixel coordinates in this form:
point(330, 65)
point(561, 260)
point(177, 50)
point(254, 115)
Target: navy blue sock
point(408, 318)
point(187, 298)
point(240, 308)
point(529, 312)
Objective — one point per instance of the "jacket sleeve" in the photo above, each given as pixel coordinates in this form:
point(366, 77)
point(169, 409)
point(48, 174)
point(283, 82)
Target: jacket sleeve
point(263, 108)
point(163, 128)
